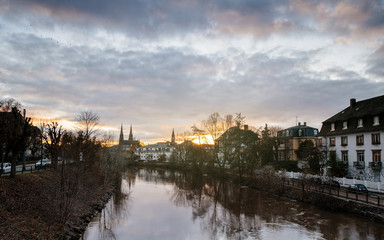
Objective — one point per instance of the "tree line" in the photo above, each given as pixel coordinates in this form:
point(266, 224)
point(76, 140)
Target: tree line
point(245, 149)
point(76, 156)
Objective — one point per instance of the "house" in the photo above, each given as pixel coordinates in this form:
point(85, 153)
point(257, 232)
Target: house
point(160, 151)
point(236, 142)
point(289, 140)
point(354, 136)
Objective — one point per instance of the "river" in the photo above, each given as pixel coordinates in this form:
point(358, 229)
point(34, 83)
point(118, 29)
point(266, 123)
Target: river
point(172, 205)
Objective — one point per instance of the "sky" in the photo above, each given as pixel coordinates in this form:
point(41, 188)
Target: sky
point(163, 65)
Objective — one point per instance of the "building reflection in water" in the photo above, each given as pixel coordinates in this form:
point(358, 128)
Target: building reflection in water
point(174, 205)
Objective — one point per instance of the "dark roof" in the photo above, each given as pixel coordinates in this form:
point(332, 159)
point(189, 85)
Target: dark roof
point(294, 131)
point(234, 132)
point(365, 110)
point(372, 106)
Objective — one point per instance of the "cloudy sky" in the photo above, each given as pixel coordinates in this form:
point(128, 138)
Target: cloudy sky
point(167, 64)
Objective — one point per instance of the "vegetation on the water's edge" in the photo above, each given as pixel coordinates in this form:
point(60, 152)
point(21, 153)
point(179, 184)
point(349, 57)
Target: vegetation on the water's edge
point(30, 204)
point(269, 180)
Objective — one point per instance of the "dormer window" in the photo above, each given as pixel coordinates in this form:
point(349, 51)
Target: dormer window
point(345, 125)
point(332, 126)
point(360, 123)
point(300, 132)
point(376, 121)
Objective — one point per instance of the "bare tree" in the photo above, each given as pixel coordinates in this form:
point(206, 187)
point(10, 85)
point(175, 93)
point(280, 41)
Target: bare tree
point(89, 123)
point(239, 120)
point(53, 138)
point(7, 104)
point(214, 125)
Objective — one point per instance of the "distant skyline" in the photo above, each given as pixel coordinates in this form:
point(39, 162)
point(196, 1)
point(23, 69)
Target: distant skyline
point(160, 65)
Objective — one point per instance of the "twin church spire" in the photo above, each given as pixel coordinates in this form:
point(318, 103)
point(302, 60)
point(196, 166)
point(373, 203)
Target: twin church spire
point(130, 137)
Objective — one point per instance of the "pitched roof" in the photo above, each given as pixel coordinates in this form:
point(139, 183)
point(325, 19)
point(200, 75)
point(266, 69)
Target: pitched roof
point(365, 110)
point(372, 106)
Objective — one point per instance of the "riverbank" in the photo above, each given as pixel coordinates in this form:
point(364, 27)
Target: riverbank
point(31, 205)
point(267, 180)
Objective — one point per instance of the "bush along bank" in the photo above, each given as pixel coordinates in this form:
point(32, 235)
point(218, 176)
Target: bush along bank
point(273, 183)
point(267, 180)
point(33, 206)
point(76, 229)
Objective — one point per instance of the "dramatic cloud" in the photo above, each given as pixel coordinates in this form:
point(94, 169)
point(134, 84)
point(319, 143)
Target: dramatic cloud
point(169, 64)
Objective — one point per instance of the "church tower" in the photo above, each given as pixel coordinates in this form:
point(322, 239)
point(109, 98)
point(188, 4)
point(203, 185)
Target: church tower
point(173, 139)
point(121, 138)
point(130, 139)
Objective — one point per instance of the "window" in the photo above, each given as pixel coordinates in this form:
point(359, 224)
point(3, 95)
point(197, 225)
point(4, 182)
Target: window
point(344, 157)
point(315, 132)
point(300, 132)
point(344, 141)
point(332, 141)
point(345, 125)
point(319, 142)
point(360, 156)
point(376, 121)
point(332, 126)
point(360, 140)
point(376, 156)
point(360, 123)
point(375, 138)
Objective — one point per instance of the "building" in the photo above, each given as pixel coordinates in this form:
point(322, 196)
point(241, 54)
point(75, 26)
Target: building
point(289, 141)
point(354, 135)
point(160, 151)
point(129, 144)
point(236, 142)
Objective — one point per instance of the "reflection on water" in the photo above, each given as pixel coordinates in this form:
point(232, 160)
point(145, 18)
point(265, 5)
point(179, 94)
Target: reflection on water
point(173, 205)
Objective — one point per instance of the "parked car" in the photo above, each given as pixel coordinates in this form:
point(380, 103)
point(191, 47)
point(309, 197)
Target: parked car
point(357, 188)
point(332, 183)
point(43, 163)
point(6, 167)
point(316, 181)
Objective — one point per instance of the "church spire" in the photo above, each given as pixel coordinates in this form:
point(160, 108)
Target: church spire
point(121, 139)
point(173, 139)
point(130, 139)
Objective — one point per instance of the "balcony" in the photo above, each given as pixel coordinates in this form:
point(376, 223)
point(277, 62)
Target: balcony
point(359, 165)
point(375, 165)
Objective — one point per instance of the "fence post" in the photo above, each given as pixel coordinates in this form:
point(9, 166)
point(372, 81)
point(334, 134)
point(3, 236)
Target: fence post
point(366, 197)
point(343, 181)
point(378, 186)
point(378, 201)
point(31, 169)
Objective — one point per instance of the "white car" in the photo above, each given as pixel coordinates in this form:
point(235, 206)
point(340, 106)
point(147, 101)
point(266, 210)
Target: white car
point(43, 163)
point(6, 167)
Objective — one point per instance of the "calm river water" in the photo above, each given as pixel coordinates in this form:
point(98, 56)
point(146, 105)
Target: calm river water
point(173, 205)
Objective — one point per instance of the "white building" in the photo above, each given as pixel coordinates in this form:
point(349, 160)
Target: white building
point(161, 151)
point(355, 134)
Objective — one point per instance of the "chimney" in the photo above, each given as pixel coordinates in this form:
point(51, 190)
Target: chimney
point(299, 124)
point(245, 127)
point(352, 102)
point(305, 123)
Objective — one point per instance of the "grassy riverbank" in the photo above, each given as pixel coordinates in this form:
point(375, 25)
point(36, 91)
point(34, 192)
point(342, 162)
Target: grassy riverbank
point(31, 205)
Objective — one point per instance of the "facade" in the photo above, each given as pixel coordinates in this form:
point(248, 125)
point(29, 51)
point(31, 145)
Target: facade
point(161, 151)
point(289, 141)
point(355, 135)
